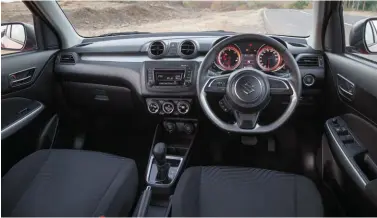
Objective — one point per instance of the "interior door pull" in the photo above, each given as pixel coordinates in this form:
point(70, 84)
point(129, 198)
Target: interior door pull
point(346, 88)
point(21, 78)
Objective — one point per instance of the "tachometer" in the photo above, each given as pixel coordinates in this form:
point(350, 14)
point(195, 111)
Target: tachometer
point(269, 59)
point(229, 58)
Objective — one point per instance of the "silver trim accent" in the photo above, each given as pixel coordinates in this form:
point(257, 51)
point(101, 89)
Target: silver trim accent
point(308, 84)
point(188, 107)
point(171, 157)
point(163, 108)
point(25, 78)
point(214, 78)
point(19, 124)
point(158, 106)
point(187, 56)
point(350, 163)
point(157, 56)
point(280, 80)
point(341, 88)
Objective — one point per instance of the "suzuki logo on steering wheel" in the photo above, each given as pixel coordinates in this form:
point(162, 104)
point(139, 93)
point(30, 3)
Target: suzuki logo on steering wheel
point(248, 88)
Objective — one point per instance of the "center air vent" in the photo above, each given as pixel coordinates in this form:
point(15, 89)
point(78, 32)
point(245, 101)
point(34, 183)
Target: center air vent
point(67, 59)
point(156, 49)
point(187, 49)
point(310, 61)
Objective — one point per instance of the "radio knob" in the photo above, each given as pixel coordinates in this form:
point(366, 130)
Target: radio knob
point(168, 107)
point(153, 107)
point(183, 107)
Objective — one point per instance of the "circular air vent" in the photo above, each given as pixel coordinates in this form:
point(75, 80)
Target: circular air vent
point(187, 49)
point(156, 49)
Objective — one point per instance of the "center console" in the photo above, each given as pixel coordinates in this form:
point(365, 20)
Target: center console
point(170, 148)
point(169, 86)
point(171, 144)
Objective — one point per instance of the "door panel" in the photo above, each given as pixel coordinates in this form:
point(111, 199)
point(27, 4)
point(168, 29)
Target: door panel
point(363, 75)
point(351, 131)
point(27, 106)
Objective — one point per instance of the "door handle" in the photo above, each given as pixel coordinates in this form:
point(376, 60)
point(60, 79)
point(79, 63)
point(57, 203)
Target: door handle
point(21, 78)
point(346, 88)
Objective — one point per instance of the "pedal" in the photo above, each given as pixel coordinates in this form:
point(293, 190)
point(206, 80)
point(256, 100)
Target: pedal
point(249, 140)
point(79, 141)
point(271, 144)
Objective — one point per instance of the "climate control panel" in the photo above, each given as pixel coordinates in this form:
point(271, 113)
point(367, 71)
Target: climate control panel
point(169, 106)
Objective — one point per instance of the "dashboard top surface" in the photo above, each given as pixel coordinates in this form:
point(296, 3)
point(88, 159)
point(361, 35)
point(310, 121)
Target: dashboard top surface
point(139, 44)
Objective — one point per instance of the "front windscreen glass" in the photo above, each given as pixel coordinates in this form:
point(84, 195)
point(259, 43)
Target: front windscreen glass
point(94, 18)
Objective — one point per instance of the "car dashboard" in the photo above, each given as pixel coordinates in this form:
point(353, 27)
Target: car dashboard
point(161, 69)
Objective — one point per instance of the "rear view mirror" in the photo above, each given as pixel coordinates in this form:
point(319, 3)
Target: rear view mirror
point(17, 37)
point(363, 36)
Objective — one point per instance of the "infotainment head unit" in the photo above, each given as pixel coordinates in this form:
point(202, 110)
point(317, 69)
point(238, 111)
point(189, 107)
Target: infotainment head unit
point(169, 77)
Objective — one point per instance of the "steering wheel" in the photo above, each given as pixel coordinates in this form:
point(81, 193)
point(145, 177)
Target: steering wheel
point(248, 91)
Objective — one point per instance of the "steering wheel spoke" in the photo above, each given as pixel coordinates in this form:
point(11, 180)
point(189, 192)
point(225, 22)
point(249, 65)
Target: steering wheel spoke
point(280, 86)
point(216, 84)
point(246, 121)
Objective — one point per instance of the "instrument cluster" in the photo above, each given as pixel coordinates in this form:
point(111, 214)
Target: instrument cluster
point(250, 54)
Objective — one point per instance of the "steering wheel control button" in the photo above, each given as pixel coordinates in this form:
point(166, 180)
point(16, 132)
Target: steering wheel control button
point(217, 85)
point(224, 105)
point(308, 80)
point(278, 86)
point(168, 107)
point(183, 107)
point(153, 107)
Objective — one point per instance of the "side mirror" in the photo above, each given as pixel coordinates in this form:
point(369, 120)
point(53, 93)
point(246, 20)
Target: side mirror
point(17, 37)
point(363, 36)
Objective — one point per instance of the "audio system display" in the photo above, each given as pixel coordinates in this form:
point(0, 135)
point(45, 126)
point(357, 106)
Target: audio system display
point(169, 75)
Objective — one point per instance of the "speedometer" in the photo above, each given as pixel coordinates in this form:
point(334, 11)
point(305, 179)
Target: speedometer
point(229, 58)
point(269, 59)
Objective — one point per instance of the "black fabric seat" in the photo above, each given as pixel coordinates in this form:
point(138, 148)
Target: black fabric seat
point(69, 183)
point(225, 191)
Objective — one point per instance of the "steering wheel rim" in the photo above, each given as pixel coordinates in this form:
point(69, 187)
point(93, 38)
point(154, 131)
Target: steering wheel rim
point(293, 83)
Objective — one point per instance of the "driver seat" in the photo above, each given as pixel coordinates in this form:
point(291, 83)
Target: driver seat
point(226, 191)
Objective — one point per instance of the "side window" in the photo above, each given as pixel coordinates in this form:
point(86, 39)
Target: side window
point(360, 25)
point(17, 30)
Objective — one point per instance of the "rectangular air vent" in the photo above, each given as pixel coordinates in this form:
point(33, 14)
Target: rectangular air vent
point(310, 61)
point(67, 59)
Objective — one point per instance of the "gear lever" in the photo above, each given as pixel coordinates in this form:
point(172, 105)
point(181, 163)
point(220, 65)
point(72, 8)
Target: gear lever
point(159, 154)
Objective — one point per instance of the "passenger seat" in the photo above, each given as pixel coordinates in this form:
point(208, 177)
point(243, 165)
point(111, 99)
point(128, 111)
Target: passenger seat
point(69, 183)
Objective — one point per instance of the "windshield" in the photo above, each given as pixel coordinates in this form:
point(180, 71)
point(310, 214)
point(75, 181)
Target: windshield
point(94, 18)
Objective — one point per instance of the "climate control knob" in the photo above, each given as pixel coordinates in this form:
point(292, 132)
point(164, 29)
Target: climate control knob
point(153, 107)
point(168, 107)
point(183, 107)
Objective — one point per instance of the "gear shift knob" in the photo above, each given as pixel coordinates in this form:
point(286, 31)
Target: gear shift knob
point(159, 153)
